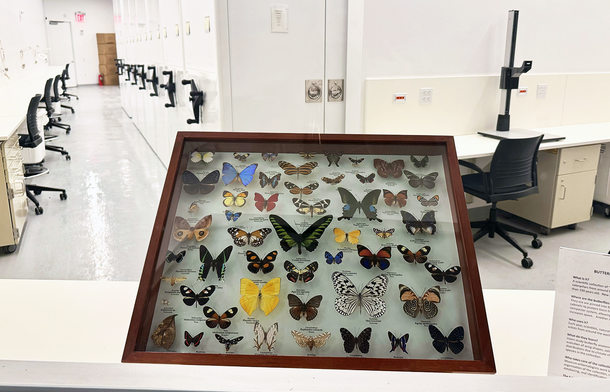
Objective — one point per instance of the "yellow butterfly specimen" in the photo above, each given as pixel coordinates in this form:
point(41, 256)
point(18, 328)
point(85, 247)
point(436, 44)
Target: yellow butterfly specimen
point(341, 236)
point(310, 341)
point(238, 200)
point(173, 280)
point(252, 297)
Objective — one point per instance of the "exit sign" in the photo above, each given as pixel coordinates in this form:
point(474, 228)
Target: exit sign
point(79, 16)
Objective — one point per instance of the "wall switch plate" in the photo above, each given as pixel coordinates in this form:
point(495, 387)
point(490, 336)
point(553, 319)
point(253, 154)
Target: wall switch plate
point(400, 97)
point(522, 91)
point(541, 91)
point(425, 95)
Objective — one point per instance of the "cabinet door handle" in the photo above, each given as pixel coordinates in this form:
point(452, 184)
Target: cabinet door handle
point(563, 196)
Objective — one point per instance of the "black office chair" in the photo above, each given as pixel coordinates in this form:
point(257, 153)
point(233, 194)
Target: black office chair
point(32, 140)
point(56, 96)
point(54, 119)
point(66, 76)
point(512, 175)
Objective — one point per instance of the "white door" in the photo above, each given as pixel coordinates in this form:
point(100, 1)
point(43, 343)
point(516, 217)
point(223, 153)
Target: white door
point(61, 50)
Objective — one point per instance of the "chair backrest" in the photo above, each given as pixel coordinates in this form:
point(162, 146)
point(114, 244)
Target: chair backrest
point(56, 97)
point(31, 118)
point(66, 70)
point(47, 96)
point(514, 164)
point(63, 80)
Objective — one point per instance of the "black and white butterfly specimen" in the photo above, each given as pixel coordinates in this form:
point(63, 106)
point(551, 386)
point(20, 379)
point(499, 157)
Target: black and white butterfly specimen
point(379, 259)
point(272, 181)
point(241, 157)
point(399, 199)
point(350, 342)
point(268, 338)
point(421, 256)
point(308, 239)
point(299, 309)
point(431, 202)
point(398, 342)
point(317, 208)
point(192, 185)
point(417, 180)
point(426, 304)
point(269, 156)
point(420, 162)
point(355, 161)
point(383, 234)
point(219, 320)
point(307, 155)
point(243, 238)
point(217, 264)
point(453, 341)
point(386, 169)
point(255, 264)
point(300, 275)
point(194, 340)
point(306, 190)
point(450, 275)
point(291, 169)
point(366, 180)
point(369, 298)
point(366, 206)
point(177, 257)
point(228, 342)
point(333, 181)
point(427, 224)
point(333, 158)
point(191, 298)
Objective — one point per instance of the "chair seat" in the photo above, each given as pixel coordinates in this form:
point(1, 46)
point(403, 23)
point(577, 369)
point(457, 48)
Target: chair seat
point(474, 185)
point(35, 171)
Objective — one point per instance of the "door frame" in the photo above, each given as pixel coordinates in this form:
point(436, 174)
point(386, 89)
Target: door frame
point(56, 22)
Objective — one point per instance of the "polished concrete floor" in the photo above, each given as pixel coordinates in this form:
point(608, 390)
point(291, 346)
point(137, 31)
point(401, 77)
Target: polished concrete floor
point(114, 182)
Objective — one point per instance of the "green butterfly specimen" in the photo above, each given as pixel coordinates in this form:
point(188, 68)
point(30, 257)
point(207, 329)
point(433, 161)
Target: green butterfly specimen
point(308, 239)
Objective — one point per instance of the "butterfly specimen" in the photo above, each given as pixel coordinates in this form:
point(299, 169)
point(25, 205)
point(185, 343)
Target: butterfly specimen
point(420, 163)
point(300, 275)
point(291, 169)
point(238, 200)
point(265, 205)
point(191, 298)
point(307, 239)
point(206, 157)
point(215, 320)
point(368, 298)
point(421, 256)
point(307, 155)
point(450, 275)
point(177, 257)
point(366, 206)
point(337, 259)
point(240, 157)
point(255, 264)
point(305, 208)
point(243, 238)
point(229, 174)
point(356, 162)
point(164, 302)
point(192, 185)
point(193, 208)
point(183, 229)
point(351, 237)
point(252, 297)
point(309, 341)
point(173, 280)
point(424, 304)
point(333, 181)
point(398, 342)
point(228, 342)
point(383, 233)
point(453, 341)
point(299, 309)
point(271, 181)
point(431, 202)
point(333, 158)
point(400, 199)
point(232, 216)
point(366, 180)
point(350, 341)
point(427, 223)
point(417, 180)
point(370, 259)
point(269, 156)
point(268, 338)
point(306, 190)
point(165, 333)
point(217, 264)
point(194, 340)
point(385, 169)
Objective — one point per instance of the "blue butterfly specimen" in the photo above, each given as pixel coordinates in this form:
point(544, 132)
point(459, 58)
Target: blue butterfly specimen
point(398, 342)
point(338, 259)
point(232, 216)
point(229, 174)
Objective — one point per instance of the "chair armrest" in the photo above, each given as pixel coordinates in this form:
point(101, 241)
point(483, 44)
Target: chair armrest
point(477, 169)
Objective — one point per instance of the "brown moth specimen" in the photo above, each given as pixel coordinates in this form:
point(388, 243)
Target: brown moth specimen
point(165, 334)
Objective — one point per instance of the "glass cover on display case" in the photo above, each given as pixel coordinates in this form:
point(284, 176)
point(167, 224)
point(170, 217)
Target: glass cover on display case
point(321, 251)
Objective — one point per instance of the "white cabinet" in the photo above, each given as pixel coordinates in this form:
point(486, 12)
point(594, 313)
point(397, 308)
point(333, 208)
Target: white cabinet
point(566, 181)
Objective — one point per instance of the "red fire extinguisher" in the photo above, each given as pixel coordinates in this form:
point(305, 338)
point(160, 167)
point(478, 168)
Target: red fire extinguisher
point(101, 79)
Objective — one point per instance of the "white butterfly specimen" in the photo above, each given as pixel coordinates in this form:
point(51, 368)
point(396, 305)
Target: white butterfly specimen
point(261, 337)
point(369, 297)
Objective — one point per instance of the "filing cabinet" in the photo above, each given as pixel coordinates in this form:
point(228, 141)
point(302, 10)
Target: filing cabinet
point(13, 198)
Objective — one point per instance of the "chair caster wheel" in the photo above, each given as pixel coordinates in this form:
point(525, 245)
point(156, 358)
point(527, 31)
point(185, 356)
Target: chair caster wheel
point(72, 111)
point(527, 262)
point(68, 158)
point(63, 196)
point(572, 226)
point(58, 119)
point(9, 248)
point(67, 131)
point(536, 243)
point(37, 192)
point(38, 210)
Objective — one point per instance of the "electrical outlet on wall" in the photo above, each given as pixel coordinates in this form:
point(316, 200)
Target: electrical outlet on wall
point(425, 95)
point(541, 91)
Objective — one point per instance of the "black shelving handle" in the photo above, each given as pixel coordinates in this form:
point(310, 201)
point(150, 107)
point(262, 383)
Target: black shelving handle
point(154, 80)
point(128, 73)
point(134, 71)
point(119, 66)
point(197, 98)
point(170, 86)
point(143, 76)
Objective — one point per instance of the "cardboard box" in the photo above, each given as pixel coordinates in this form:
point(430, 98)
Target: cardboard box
point(107, 59)
point(111, 80)
point(108, 69)
point(106, 49)
point(108, 38)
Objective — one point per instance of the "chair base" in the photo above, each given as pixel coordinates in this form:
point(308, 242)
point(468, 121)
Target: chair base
point(53, 123)
point(491, 226)
point(32, 190)
point(68, 107)
point(60, 150)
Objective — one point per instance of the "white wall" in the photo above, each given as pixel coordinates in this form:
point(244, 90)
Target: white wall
point(98, 19)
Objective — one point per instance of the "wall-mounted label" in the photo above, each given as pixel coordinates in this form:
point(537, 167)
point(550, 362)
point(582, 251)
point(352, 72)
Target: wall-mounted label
point(177, 30)
point(206, 24)
point(187, 28)
point(279, 18)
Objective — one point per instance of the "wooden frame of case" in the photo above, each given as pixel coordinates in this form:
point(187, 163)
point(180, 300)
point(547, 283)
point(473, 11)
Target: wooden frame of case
point(140, 326)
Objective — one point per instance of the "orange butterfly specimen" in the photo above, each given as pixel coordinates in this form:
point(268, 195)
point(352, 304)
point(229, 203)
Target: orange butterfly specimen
point(386, 169)
point(261, 204)
point(421, 256)
point(183, 230)
point(333, 181)
point(306, 190)
point(400, 199)
point(424, 304)
point(370, 259)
